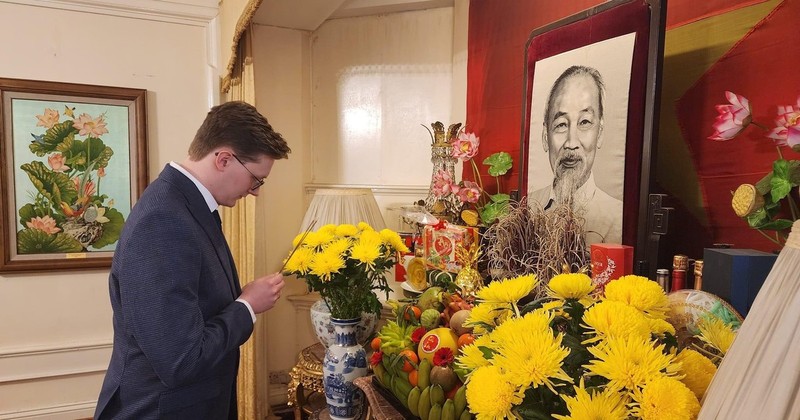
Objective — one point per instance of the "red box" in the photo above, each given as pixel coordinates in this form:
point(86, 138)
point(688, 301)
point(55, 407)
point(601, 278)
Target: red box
point(439, 245)
point(610, 262)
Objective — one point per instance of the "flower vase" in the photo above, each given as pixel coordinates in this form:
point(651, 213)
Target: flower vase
point(324, 329)
point(345, 360)
point(445, 206)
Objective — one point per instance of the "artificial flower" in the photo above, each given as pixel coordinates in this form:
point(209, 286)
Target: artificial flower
point(442, 183)
point(443, 357)
point(45, 224)
point(732, 118)
point(597, 405)
point(630, 362)
point(509, 290)
point(48, 119)
point(376, 358)
point(787, 130)
point(465, 146)
point(640, 293)
point(57, 162)
point(88, 126)
point(665, 399)
point(468, 193)
point(490, 395)
point(697, 371)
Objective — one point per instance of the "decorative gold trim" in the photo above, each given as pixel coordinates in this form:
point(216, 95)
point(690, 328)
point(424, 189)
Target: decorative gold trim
point(241, 25)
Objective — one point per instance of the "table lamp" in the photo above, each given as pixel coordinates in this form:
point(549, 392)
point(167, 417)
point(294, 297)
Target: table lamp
point(343, 205)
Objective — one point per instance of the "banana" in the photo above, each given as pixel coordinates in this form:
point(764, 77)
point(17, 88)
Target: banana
point(424, 405)
point(401, 388)
point(465, 415)
point(436, 412)
point(460, 400)
point(437, 394)
point(413, 400)
point(424, 373)
point(448, 410)
point(379, 370)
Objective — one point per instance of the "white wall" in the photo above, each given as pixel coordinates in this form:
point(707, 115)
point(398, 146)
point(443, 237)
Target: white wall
point(55, 328)
point(351, 98)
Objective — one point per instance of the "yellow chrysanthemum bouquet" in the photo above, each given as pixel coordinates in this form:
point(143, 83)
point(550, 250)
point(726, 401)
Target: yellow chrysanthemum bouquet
point(346, 264)
point(574, 355)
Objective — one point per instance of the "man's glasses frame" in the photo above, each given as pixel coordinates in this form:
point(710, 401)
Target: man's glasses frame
point(257, 182)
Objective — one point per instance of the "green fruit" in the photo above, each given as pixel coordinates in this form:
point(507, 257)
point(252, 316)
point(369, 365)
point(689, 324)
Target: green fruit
point(430, 318)
point(413, 400)
point(460, 400)
point(437, 394)
point(448, 410)
point(436, 412)
point(465, 415)
point(444, 376)
point(430, 299)
point(424, 373)
point(424, 406)
point(379, 370)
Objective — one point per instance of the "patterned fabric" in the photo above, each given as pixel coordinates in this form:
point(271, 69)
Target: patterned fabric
point(177, 328)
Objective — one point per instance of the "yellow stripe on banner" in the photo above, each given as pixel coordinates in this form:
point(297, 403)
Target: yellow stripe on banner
point(689, 51)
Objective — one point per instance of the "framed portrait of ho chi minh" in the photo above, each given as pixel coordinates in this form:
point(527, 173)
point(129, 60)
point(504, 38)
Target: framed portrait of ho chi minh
point(73, 159)
point(590, 106)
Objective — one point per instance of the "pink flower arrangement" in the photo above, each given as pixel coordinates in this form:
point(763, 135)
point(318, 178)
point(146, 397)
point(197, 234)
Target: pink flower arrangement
point(733, 117)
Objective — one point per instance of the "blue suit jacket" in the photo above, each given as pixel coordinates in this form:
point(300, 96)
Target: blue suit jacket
point(177, 327)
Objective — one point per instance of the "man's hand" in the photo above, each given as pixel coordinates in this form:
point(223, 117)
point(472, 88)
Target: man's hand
point(262, 293)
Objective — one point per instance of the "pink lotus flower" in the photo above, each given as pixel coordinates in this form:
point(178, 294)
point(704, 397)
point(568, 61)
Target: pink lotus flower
point(465, 146)
point(787, 130)
point(469, 193)
point(56, 162)
point(442, 183)
point(88, 126)
point(46, 224)
point(49, 119)
point(732, 118)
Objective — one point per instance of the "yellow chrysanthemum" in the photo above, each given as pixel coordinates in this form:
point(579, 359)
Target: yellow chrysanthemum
point(394, 240)
point(323, 264)
point(346, 230)
point(366, 252)
point(371, 238)
point(338, 246)
point(571, 286)
point(697, 371)
point(300, 261)
point(615, 319)
point(716, 333)
point(487, 313)
point(599, 405)
point(630, 362)
point(530, 355)
point(665, 399)
point(329, 229)
point(364, 226)
point(659, 327)
point(508, 290)
point(471, 357)
point(490, 395)
point(641, 293)
point(537, 321)
point(318, 239)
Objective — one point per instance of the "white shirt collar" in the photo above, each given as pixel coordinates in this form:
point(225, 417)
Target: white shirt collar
point(210, 201)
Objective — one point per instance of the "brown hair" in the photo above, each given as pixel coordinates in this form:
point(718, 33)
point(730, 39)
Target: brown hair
point(240, 126)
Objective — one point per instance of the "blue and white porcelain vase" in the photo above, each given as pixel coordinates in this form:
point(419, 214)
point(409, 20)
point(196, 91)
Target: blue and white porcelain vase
point(326, 334)
point(345, 360)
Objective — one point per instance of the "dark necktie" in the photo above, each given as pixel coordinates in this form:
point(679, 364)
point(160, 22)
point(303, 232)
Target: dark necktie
point(215, 213)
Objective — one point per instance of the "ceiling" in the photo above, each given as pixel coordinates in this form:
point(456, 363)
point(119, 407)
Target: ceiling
point(310, 14)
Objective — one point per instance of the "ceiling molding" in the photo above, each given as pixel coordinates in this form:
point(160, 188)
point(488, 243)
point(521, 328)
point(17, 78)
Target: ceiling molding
point(187, 12)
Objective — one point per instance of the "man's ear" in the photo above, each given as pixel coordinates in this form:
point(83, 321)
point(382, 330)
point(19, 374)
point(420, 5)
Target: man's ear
point(544, 139)
point(600, 135)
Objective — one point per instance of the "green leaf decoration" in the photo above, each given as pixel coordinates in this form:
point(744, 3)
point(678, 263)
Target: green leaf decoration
point(758, 218)
point(34, 241)
point(500, 198)
point(494, 210)
point(111, 229)
point(56, 186)
point(780, 168)
point(779, 225)
point(89, 154)
point(780, 188)
point(57, 138)
point(499, 163)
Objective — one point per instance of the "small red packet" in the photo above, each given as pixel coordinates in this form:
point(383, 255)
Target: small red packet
point(610, 262)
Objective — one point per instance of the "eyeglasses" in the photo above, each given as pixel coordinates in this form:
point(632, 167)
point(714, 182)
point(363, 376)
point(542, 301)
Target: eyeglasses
point(257, 182)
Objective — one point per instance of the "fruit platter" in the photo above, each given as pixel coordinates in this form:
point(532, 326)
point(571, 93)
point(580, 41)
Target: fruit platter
point(413, 355)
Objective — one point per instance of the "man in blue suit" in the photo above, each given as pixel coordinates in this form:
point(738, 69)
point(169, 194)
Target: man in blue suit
point(180, 314)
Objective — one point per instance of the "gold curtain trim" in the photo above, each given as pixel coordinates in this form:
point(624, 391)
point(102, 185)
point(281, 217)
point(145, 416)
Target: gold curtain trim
point(241, 25)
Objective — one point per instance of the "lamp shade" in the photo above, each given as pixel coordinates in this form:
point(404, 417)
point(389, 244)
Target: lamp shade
point(344, 205)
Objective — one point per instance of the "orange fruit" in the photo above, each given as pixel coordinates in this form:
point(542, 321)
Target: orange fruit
point(410, 360)
point(413, 377)
point(465, 339)
point(375, 344)
point(412, 313)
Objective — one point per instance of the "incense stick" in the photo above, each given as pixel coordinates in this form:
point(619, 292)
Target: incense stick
point(300, 242)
